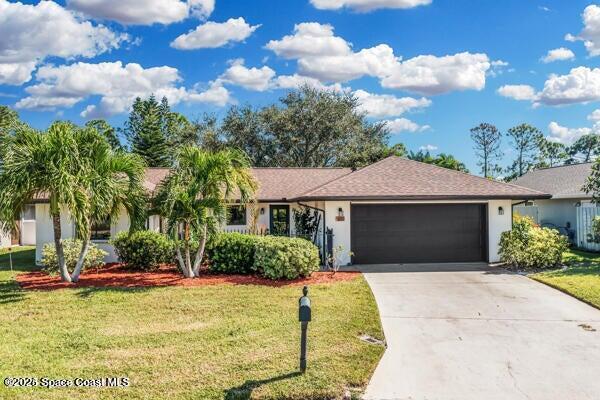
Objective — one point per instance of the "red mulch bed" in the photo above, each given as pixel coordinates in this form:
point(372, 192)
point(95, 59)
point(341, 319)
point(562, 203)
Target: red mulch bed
point(116, 275)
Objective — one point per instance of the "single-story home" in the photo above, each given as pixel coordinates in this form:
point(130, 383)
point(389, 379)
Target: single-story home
point(565, 184)
point(393, 211)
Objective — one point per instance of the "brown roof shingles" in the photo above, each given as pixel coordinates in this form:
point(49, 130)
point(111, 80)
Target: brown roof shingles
point(391, 178)
point(400, 178)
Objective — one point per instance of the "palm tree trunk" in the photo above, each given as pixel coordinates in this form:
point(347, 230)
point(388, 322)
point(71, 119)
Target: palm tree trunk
point(62, 267)
point(187, 263)
point(80, 261)
point(184, 269)
point(200, 253)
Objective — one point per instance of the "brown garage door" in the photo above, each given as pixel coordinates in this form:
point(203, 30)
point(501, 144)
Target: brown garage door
point(412, 233)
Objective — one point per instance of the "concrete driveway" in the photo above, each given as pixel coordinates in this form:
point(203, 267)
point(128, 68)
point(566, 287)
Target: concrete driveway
point(474, 332)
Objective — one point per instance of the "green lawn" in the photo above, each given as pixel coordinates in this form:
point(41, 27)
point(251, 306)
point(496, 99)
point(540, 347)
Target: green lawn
point(581, 279)
point(213, 342)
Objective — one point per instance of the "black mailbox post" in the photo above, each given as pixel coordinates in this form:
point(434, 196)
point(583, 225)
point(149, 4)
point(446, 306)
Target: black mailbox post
point(304, 318)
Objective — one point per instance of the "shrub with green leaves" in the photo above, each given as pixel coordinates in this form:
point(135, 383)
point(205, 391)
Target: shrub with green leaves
point(529, 246)
point(285, 258)
point(144, 250)
point(232, 253)
point(72, 248)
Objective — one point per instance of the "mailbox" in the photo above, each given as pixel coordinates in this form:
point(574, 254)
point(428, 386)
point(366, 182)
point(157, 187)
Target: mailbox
point(304, 312)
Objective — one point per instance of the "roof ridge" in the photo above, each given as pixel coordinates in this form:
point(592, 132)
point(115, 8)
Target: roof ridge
point(318, 168)
point(345, 175)
point(476, 176)
point(560, 166)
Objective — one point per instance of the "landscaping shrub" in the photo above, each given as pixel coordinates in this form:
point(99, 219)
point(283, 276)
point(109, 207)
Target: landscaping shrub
point(529, 246)
point(144, 250)
point(285, 258)
point(232, 253)
point(71, 248)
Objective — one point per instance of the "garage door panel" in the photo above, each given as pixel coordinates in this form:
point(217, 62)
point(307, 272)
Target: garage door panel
point(392, 233)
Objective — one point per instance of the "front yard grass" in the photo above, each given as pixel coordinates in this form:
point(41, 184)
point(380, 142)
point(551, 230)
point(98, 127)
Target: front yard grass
point(212, 342)
point(581, 279)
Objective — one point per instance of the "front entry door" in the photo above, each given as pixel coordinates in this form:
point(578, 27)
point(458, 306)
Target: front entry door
point(280, 219)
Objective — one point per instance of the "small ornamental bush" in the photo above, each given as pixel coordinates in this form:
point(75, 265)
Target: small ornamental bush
point(71, 248)
point(529, 246)
point(232, 253)
point(285, 258)
point(144, 250)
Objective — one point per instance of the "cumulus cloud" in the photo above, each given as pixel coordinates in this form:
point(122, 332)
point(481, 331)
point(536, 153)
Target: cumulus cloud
point(146, 12)
point(580, 85)
point(30, 33)
point(567, 136)
point(590, 35)
point(594, 116)
point(518, 92)
point(385, 105)
point(116, 84)
point(428, 148)
point(432, 75)
point(294, 81)
point(399, 125)
point(329, 58)
point(367, 5)
point(560, 54)
point(258, 79)
point(215, 34)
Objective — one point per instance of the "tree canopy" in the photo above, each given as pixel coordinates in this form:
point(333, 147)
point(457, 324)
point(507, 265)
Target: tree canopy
point(441, 160)
point(486, 138)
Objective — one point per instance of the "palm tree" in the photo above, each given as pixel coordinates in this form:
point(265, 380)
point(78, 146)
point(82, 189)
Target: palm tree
point(113, 182)
point(35, 164)
point(195, 195)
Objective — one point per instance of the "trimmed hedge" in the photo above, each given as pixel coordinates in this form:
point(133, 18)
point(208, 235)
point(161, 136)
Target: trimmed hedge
point(529, 246)
point(232, 253)
point(144, 250)
point(280, 257)
point(274, 257)
point(71, 249)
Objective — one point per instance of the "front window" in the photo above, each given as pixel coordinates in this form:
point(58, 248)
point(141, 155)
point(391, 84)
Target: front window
point(236, 215)
point(29, 212)
point(101, 229)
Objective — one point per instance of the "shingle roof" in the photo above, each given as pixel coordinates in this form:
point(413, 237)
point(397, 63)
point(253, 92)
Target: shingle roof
point(564, 182)
point(400, 178)
point(391, 178)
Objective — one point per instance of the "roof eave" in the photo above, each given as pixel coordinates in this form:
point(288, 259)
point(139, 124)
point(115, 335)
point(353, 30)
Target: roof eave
point(424, 198)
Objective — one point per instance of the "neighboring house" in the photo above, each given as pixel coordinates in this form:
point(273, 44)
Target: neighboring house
point(24, 235)
point(393, 211)
point(565, 184)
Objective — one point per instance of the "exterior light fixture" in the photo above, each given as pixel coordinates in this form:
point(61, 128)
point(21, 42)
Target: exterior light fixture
point(262, 211)
point(500, 211)
point(340, 214)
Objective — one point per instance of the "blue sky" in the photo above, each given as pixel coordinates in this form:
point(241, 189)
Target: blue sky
point(475, 48)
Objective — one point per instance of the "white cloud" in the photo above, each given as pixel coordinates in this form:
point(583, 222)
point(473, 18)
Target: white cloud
point(329, 58)
point(560, 54)
point(309, 39)
point(294, 81)
point(367, 5)
point(428, 148)
point(518, 92)
point(399, 125)
point(562, 134)
point(30, 33)
point(590, 35)
point(385, 105)
point(580, 85)
point(258, 79)
point(116, 84)
point(594, 116)
point(143, 12)
point(215, 34)
point(431, 75)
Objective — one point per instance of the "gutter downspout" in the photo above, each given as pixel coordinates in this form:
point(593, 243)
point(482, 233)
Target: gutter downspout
point(324, 227)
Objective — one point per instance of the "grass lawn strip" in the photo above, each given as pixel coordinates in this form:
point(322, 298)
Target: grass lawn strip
point(209, 342)
point(581, 279)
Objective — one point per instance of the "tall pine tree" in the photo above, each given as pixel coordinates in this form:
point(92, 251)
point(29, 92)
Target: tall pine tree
point(145, 132)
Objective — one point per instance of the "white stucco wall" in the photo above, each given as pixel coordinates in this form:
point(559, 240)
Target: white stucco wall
point(496, 225)
point(341, 229)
